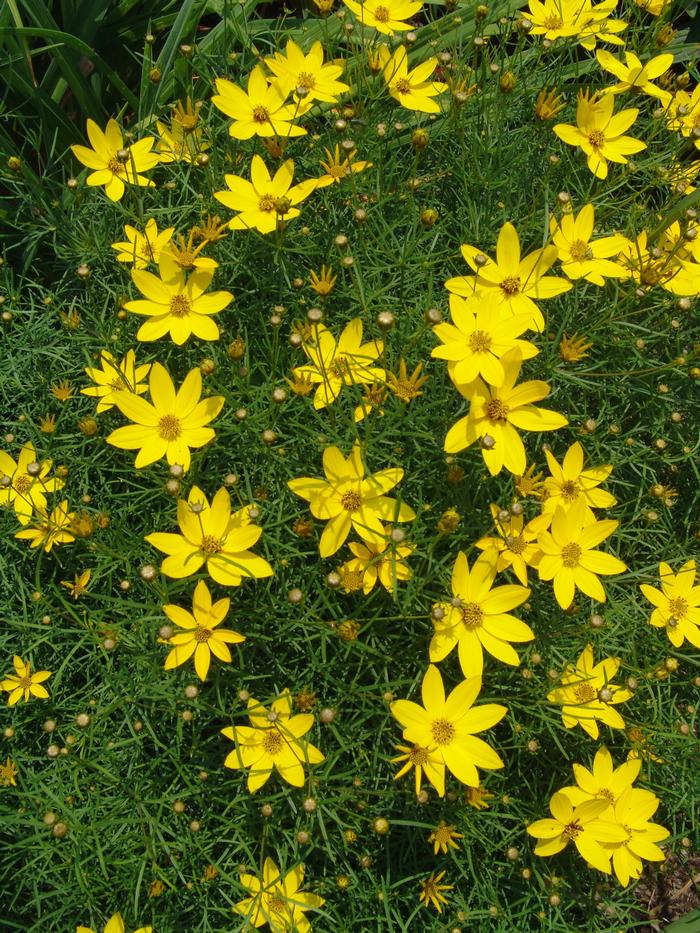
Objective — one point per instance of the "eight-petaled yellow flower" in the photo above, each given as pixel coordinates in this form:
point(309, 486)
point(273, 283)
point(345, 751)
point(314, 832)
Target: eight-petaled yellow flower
point(23, 684)
point(276, 900)
point(676, 604)
point(115, 377)
point(112, 162)
point(25, 484)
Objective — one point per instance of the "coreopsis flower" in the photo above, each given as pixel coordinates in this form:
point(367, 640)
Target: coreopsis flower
point(431, 892)
point(480, 335)
point(654, 7)
point(296, 70)
point(632, 812)
point(516, 544)
point(443, 838)
point(336, 168)
point(641, 745)
point(426, 762)
point(597, 25)
point(587, 694)
point(264, 203)
point(404, 387)
point(183, 140)
point(651, 267)
point(274, 739)
point(676, 604)
point(411, 89)
point(599, 132)
point(604, 781)
point(570, 483)
point(496, 412)
point(554, 19)
point(176, 304)
point(79, 584)
point(386, 16)
point(47, 424)
point(175, 421)
point(511, 281)
point(112, 162)
point(449, 725)
point(348, 498)
point(114, 378)
point(8, 773)
point(24, 684)
point(48, 530)
point(373, 398)
point(568, 555)
point(277, 900)
point(584, 825)
point(187, 255)
point(635, 77)
point(25, 484)
point(211, 535)
point(683, 112)
point(581, 257)
point(201, 636)
point(323, 281)
point(142, 247)
point(478, 618)
point(383, 562)
point(62, 391)
point(548, 104)
point(335, 364)
point(531, 484)
point(261, 111)
point(478, 797)
point(115, 924)
point(572, 349)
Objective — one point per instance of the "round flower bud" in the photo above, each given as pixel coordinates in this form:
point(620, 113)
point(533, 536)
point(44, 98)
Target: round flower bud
point(295, 595)
point(341, 241)
point(433, 316)
point(597, 621)
point(191, 691)
point(179, 806)
point(82, 720)
point(53, 751)
point(605, 695)
point(333, 579)
point(380, 826)
point(303, 837)
point(385, 320)
point(59, 830)
point(327, 715)
point(309, 805)
point(268, 436)
point(148, 572)
point(266, 811)
point(314, 315)
point(429, 217)
point(241, 414)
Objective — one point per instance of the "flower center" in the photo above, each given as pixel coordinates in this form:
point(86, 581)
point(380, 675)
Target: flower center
point(511, 284)
point(406, 391)
point(202, 634)
point(607, 794)
point(306, 80)
point(179, 306)
point(596, 138)
point(553, 22)
point(381, 14)
point(118, 383)
point(517, 545)
point(23, 484)
point(115, 166)
point(403, 86)
point(351, 501)
point(266, 203)
point(472, 615)
point(496, 410)
point(272, 742)
point(210, 545)
point(169, 428)
point(340, 367)
point(443, 732)
point(25, 682)
point(572, 829)
point(580, 250)
point(352, 580)
point(260, 114)
point(584, 693)
point(678, 607)
point(276, 902)
point(480, 342)
point(569, 490)
point(571, 554)
point(418, 756)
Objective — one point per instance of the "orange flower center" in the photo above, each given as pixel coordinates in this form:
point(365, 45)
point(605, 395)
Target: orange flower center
point(169, 428)
point(306, 80)
point(179, 306)
point(569, 490)
point(418, 756)
point(266, 203)
point(118, 383)
point(23, 484)
point(678, 607)
point(202, 634)
point(511, 284)
point(351, 501)
point(210, 545)
point(480, 342)
point(381, 14)
point(25, 682)
point(496, 410)
point(115, 166)
point(571, 554)
point(553, 22)
point(584, 693)
point(403, 86)
point(277, 903)
point(573, 829)
point(442, 731)
point(596, 138)
point(472, 615)
point(517, 545)
point(607, 794)
point(340, 367)
point(260, 114)
point(580, 250)
point(272, 742)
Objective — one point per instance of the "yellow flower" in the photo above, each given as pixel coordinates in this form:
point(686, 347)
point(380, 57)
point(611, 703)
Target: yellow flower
point(62, 390)
point(182, 140)
point(335, 364)
point(511, 281)
point(274, 739)
point(676, 604)
point(426, 762)
point(568, 558)
point(635, 77)
point(411, 89)
point(655, 7)
point(79, 584)
point(175, 304)
point(262, 110)
point(139, 249)
point(478, 797)
point(555, 19)
point(264, 203)
point(323, 282)
point(599, 132)
point(570, 483)
point(585, 825)
point(47, 424)
point(587, 694)
point(572, 349)
point(431, 889)
point(319, 81)
point(477, 618)
point(604, 782)
point(201, 637)
point(405, 387)
point(25, 484)
point(336, 169)
point(632, 812)
point(277, 901)
point(548, 104)
point(530, 484)
point(581, 257)
point(683, 112)
point(350, 499)
point(214, 536)
point(114, 378)
point(170, 426)
point(443, 838)
point(379, 561)
point(386, 16)
point(49, 530)
point(187, 255)
point(112, 162)
point(596, 24)
point(516, 545)
point(494, 415)
point(8, 773)
point(114, 925)
point(641, 745)
point(23, 683)
point(448, 725)
point(480, 335)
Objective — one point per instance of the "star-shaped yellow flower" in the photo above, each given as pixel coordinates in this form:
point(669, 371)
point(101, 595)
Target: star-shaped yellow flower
point(276, 900)
point(676, 604)
point(386, 16)
point(112, 162)
point(261, 111)
point(411, 89)
point(25, 484)
point(114, 377)
point(23, 683)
